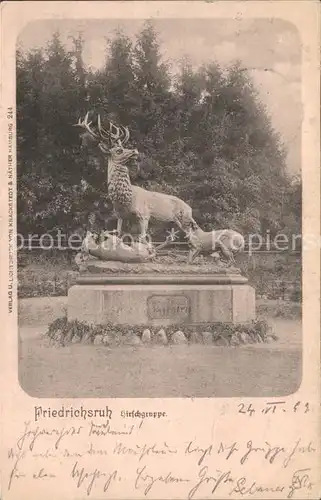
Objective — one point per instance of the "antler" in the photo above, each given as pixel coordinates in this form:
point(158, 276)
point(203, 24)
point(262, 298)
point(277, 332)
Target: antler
point(119, 134)
point(115, 134)
point(109, 134)
point(86, 125)
point(126, 134)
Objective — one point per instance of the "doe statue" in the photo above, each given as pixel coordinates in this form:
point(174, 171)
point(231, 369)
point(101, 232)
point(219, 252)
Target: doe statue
point(225, 242)
point(126, 198)
point(109, 247)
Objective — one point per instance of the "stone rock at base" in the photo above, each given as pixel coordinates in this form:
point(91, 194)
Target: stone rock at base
point(87, 339)
point(106, 340)
point(161, 337)
point(98, 339)
point(117, 339)
point(179, 338)
point(269, 339)
point(146, 336)
point(245, 338)
point(196, 338)
point(69, 336)
point(234, 341)
point(207, 338)
point(76, 339)
point(131, 339)
point(58, 336)
point(221, 341)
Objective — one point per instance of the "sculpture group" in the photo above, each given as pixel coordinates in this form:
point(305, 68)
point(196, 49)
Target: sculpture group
point(145, 205)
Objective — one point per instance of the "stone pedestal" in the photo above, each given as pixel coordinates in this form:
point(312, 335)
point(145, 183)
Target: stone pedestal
point(160, 300)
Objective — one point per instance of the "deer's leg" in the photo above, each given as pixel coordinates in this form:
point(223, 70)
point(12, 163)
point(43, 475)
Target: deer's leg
point(228, 254)
point(178, 222)
point(119, 225)
point(143, 223)
point(194, 252)
point(232, 260)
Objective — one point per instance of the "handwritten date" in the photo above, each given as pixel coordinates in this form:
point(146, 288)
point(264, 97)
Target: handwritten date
point(273, 407)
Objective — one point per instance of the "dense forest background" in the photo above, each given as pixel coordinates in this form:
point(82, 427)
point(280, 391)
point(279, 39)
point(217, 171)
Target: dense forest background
point(204, 135)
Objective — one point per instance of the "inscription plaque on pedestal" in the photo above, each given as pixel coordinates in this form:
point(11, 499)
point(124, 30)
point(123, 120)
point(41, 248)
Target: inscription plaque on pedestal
point(173, 307)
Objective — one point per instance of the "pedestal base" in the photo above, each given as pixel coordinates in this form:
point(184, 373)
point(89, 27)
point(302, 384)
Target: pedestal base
point(162, 302)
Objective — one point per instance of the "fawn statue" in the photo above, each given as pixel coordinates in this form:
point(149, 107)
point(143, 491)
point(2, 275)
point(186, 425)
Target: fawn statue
point(127, 198)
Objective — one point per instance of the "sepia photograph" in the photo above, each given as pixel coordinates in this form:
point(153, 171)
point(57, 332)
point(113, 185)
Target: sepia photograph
point(160, 265)
point(159, 207)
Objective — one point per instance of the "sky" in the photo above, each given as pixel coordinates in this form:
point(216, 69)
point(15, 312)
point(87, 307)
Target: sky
point(269, 49)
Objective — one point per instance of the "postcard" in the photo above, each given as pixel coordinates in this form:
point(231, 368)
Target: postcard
point(160, 258)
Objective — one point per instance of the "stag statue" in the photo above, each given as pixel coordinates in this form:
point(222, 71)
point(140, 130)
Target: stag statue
point(126, 198)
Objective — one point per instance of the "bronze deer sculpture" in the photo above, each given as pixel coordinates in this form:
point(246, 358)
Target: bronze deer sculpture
point(127, 198)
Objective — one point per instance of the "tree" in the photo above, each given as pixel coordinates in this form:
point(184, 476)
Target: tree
point(152, 90)
point(50, 95)
point(203, 133)
point(291, 220)
point(29, 91)
point(111, 90)
point(237, 150)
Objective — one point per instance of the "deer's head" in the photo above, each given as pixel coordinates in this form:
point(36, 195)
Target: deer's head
point(111, 141)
